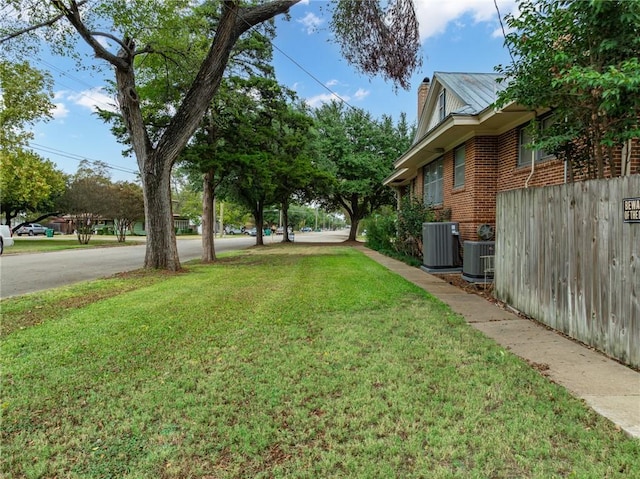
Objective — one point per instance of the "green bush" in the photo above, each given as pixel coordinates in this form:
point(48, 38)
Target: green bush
point(413, 212)
point(399, 235)
point(381, 231)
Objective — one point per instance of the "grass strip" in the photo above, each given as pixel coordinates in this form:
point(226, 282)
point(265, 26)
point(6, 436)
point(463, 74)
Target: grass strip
point(43, 245)
point(298, 362)
point(28, 310)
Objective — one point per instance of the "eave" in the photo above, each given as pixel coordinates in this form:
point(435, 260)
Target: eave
point(451, 132)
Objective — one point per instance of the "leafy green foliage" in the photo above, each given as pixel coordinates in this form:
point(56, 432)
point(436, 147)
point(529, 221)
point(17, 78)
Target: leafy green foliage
point(579, 58)
point(28, 183)
point(399, 234)
point(126, 207)
point(87, 198)
point(358, 151)
point(413, 213)
point(268, 149)
point(381, 230)
point(26, 99)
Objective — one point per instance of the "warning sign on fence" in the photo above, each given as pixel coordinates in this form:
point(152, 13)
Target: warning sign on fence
point(631, 210)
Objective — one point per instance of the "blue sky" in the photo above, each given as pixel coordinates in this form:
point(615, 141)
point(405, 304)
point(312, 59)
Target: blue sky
point(457, 36)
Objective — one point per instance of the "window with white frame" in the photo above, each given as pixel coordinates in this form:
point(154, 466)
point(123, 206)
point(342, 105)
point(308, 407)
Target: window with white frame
point(459, 156)
point(442, 104)
point(527, 155)
point(433, 183)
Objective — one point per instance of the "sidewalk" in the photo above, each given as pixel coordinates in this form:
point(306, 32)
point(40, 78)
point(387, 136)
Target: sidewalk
point(611, 389)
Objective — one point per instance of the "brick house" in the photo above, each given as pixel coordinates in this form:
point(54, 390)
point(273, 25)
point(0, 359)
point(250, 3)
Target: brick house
point(465, 151)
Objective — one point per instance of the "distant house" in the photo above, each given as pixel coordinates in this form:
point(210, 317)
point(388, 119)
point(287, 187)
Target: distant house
point(465, 151)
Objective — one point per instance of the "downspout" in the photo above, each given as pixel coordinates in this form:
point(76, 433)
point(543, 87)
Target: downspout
point(533, 168)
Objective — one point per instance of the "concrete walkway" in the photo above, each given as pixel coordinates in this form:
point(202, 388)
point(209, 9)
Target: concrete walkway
point(611, 389)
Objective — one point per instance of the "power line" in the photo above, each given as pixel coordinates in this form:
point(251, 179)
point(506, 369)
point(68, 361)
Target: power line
point(297, 64)
point(96, 101)
point(65, 154)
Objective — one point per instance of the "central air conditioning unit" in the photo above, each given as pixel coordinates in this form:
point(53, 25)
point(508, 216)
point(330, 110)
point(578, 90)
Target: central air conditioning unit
point(478, 261)
point(440, 243)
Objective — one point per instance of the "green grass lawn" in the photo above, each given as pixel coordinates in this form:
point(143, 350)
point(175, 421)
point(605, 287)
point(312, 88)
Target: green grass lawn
point(41, 245)
point(280, 362)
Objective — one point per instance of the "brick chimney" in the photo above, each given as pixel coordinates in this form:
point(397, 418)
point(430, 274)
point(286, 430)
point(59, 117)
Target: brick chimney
point(423, 91)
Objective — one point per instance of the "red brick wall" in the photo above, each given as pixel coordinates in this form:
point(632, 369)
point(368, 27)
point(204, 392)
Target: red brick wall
point(475, 203)
point(491, 166)
point(418, 184)
point(512, 176)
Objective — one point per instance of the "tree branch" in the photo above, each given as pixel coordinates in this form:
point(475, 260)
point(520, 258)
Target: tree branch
point(46, 23)
point(72, 14)
point(233, 22)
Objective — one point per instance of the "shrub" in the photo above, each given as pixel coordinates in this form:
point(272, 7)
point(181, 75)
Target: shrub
point(413, 212)
point(381, 231)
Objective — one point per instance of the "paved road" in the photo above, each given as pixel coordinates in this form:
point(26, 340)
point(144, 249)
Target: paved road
point(29, 273)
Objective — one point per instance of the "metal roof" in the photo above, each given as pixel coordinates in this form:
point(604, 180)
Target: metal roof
point(477, 90)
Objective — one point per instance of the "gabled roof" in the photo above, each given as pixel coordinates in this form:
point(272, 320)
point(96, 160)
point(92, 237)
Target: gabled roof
point(477, 90)
point(473, 113)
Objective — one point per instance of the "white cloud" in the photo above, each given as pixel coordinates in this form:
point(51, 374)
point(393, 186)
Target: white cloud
point(435, 15)
point(331, 83)
point(361, 94)
point(311, 22)
point(93, 98)
point(60, 111)
point(318, 100)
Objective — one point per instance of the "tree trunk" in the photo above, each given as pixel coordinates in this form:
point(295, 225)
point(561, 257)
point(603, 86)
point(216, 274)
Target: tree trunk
point(614, 169)
point(162, 250)
point(285, 222)
point(598, 148)
point(353, 231)
point(155, 162)
point(121, 225)
point(259, 217)
point(352, 207)
point(208, 226)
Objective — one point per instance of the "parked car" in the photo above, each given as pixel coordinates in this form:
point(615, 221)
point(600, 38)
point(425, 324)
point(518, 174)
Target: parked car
point(305, 229)
point(233, 230)
point(5, 237)
point(31, 229)
point(252, 232)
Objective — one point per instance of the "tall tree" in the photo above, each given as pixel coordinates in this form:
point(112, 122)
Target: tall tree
point(254, 141)
point(359, 151)
point(296, 173)
point(212, 151)
point(87, 198)
point(28, 183)
point(22, 103)
point(134, 26)
point(579, 58)
point(126, 206)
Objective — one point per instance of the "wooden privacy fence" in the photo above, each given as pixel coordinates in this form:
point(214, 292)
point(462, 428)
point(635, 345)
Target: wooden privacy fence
point(565, 256)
